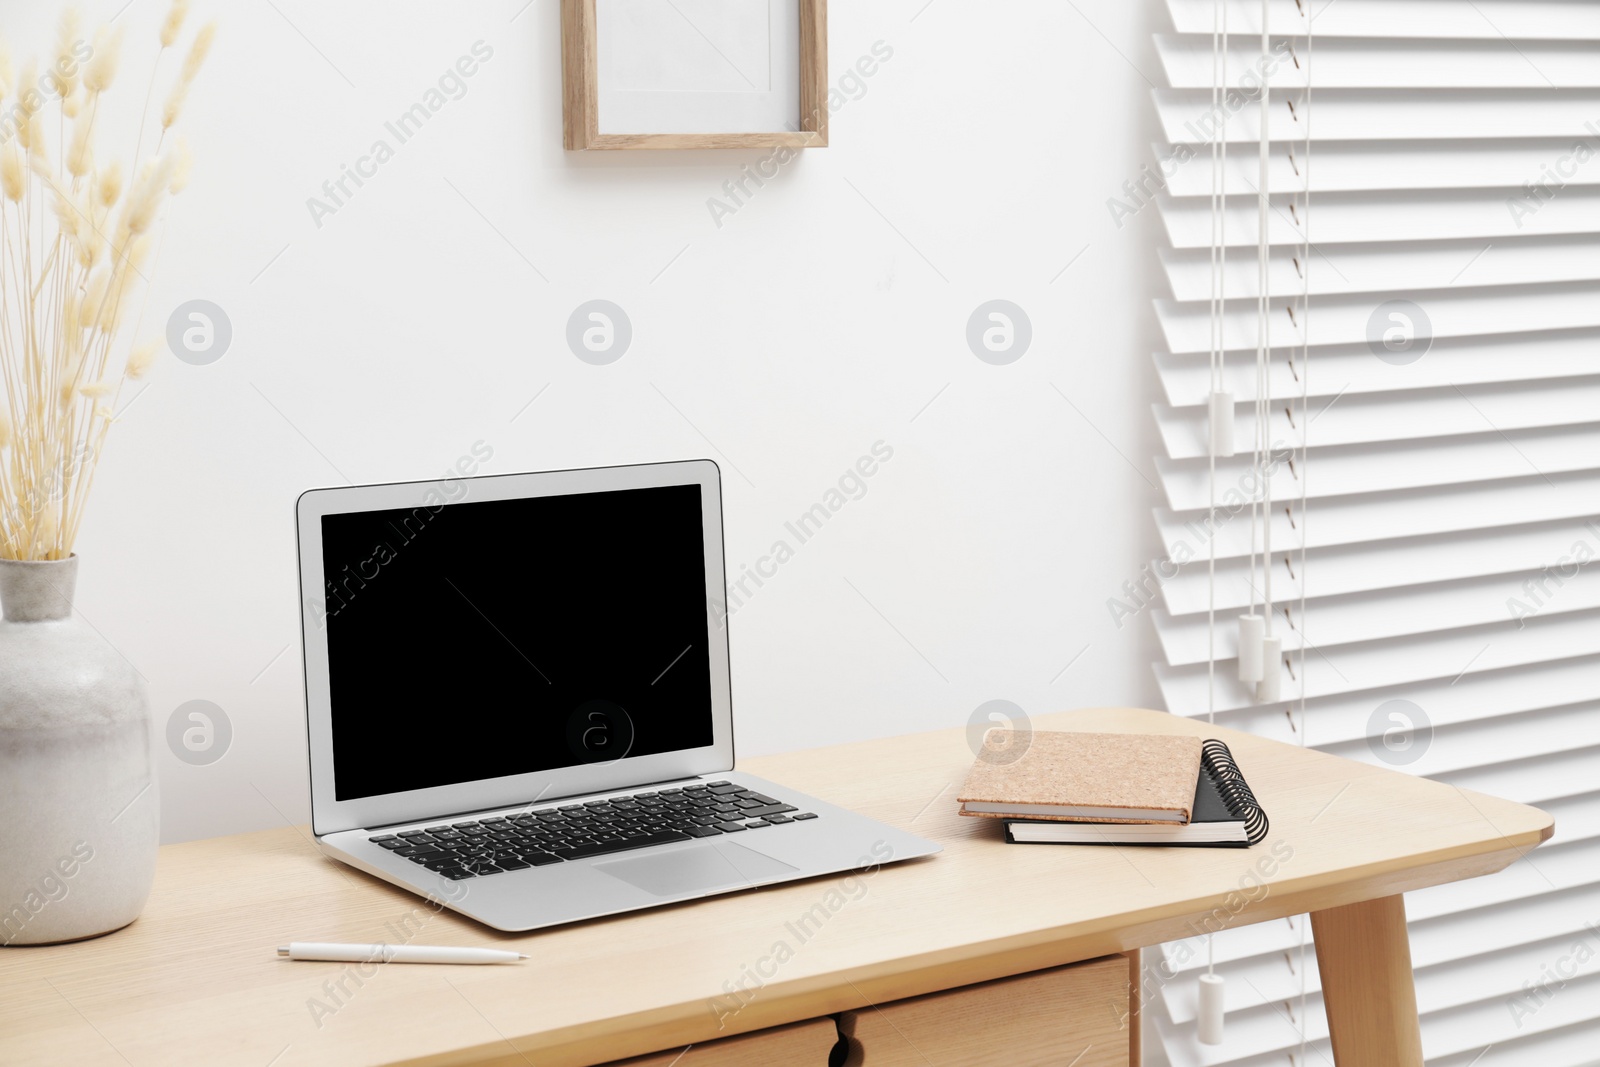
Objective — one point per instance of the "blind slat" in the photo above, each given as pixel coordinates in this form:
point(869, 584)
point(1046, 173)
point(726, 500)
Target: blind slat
point(1402, 115)
point(1367, 566)
point(1353, 370)
point(1394, 612)
point(1402, 215)
point(1383, 417)
point(1349, 166)
point(1264, 980)
point(1366, 268)
point(1518, 693)
point(1353, 319)
point(1356, 63)
point(1373, 665)
point(1487, 459)
point(1471, 746)
point(1432, 19)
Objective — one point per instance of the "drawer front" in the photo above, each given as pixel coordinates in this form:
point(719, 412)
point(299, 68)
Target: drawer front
point(804, 1044)
point(1078, 1014)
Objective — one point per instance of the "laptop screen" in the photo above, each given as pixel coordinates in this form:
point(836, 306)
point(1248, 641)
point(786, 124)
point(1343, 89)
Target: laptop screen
point(481, 639)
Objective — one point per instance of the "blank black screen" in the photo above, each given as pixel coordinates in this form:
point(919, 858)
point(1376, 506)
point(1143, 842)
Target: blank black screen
point(486, 638)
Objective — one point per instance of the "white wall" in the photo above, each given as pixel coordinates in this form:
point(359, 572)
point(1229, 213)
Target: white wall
point(383, 344)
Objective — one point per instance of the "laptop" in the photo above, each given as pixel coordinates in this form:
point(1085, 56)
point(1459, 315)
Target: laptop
point(518, 699)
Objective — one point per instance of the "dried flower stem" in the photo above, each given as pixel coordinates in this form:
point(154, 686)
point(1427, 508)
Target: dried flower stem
point(74, 240)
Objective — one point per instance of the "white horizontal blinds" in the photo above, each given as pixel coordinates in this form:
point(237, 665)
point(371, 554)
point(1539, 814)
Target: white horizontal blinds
point(1436, 480)
point(1406, 115)
point(1380, 417)
point(1366, 566)
point(1409, 214)
point(1380, 663)
point(1454, 499)
point(1529, 20)
point(1402, 609)
point(1344, 166)
point(1435, 265)
point(1356, 63)
point(1349, 370)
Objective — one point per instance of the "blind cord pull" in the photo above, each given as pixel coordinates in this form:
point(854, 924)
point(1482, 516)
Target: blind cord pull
point(1220, 417)
point(1212, 1009)
point(1252, 635)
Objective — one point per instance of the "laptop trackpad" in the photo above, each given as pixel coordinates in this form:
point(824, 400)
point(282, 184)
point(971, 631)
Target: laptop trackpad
point(689, 870)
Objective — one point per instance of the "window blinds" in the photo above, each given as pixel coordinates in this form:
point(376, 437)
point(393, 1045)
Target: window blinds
point(1454, 499)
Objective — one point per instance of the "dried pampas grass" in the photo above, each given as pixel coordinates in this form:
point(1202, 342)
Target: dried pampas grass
point(66, 70)
point(140, 359)
point(108, 183)
point(79, 151)
point(102, 67)
point(11, 169)
point(173, 23)
point(182, 168)
point(191, 67)
point(77, 238)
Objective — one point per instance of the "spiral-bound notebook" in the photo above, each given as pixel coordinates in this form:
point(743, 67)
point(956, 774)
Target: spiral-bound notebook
point(1225, 814)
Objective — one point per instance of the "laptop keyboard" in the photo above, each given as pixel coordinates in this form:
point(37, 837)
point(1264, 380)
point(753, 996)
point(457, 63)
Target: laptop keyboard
point(543, 836)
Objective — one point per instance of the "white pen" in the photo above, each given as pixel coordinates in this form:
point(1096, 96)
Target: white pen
point(386, 953)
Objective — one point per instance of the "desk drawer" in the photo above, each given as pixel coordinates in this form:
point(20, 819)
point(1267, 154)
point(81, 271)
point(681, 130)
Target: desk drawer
point(1042, 1018)
point(804, 1044)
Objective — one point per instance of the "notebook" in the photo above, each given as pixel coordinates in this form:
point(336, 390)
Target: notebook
point(1225, 814)
point(1088, 777)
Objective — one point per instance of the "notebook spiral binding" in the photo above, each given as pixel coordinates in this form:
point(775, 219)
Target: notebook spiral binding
point(1236, 793)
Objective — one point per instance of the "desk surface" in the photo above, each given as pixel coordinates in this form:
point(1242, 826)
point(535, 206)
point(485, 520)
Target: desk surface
point(197, 979)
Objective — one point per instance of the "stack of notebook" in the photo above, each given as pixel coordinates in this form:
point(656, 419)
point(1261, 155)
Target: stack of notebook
point(1113, 789)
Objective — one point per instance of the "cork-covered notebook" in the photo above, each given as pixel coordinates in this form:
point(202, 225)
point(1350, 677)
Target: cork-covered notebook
point(1083, 777)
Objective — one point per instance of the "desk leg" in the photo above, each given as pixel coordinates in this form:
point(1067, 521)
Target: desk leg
point(1364, 955)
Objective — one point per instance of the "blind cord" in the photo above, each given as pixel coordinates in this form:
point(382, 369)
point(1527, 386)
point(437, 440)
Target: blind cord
point(1263, 281)
point(1219, 254)
point(1219, 407)
point(1305, 453)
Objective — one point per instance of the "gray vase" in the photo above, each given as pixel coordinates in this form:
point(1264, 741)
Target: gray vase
point(79, 816)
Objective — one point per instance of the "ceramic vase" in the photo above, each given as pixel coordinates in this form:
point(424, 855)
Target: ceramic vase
point(79, 816)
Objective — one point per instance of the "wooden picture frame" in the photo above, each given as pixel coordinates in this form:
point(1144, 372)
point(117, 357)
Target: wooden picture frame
point(580, 91)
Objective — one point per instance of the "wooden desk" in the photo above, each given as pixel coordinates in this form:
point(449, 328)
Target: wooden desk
point(196, 980)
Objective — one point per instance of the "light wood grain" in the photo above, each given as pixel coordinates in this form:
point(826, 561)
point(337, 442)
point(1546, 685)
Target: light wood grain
point(797, 1045)
point(580, 91)
point(198, 971)
point(580, 87)
point(1076, 1014)
point(696, 141)
point(814, 72)
point(1364, 957)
